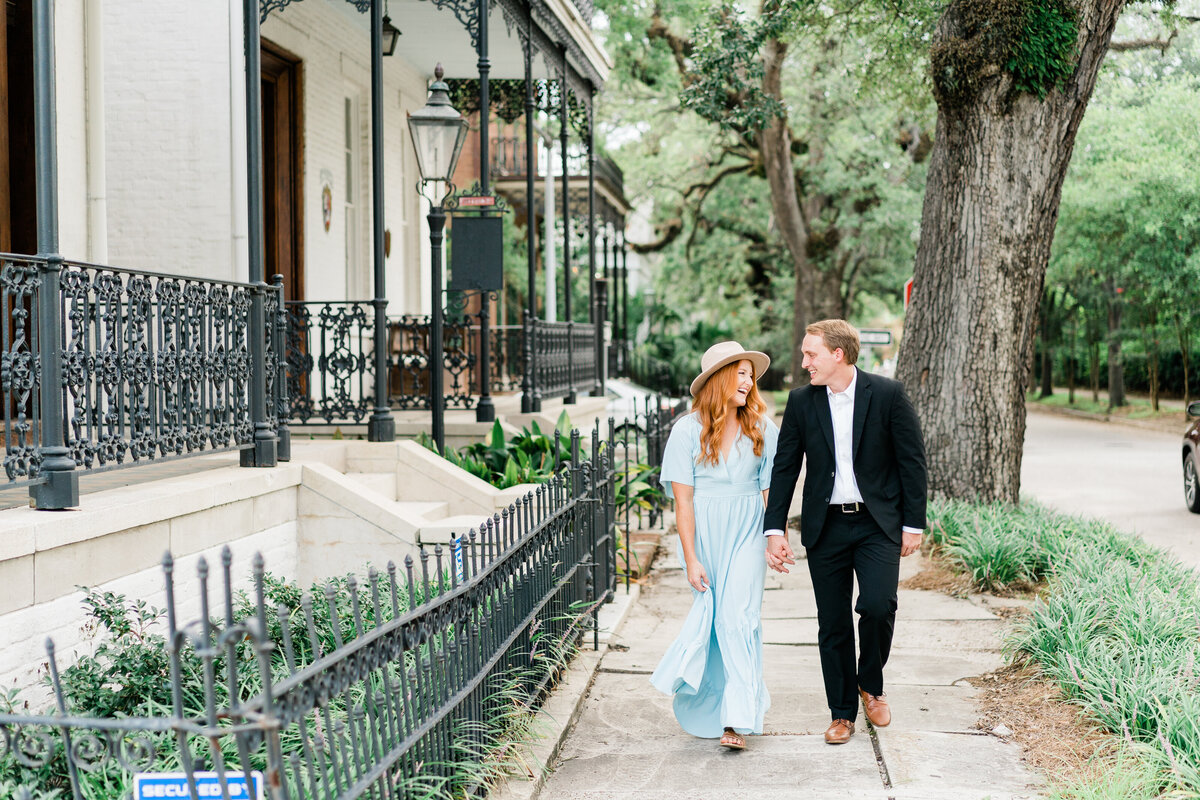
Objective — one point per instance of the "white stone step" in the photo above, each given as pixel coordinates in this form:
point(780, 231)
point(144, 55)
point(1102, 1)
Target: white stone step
point(432, 511)
point(443, 530)
point(382, 482)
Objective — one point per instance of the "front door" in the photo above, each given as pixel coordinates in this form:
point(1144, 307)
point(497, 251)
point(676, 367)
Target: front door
point(18, 196)
point(283, 186)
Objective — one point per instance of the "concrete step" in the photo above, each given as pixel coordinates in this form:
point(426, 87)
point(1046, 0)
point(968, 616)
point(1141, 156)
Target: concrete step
point(431, 512)
point(382, 482)
point(443, 531)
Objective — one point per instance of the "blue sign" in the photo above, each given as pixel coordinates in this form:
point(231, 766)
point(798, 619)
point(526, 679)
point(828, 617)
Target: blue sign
point(159, 785)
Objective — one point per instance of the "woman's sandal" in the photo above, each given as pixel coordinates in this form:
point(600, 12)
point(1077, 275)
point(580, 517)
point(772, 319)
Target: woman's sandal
point(733, 740)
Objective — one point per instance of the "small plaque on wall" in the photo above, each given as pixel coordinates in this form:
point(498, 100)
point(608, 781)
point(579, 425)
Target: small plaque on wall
point(476, 254)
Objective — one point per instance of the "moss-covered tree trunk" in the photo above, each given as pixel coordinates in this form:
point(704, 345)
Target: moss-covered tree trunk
point(991, 204)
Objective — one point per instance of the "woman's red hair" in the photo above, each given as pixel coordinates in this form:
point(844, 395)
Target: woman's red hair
point(712, 404)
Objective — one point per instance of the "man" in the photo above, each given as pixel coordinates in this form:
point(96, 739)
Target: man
point(863, 509)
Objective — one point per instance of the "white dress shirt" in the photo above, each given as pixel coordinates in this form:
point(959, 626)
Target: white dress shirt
point(841, 408)
point(845, 484)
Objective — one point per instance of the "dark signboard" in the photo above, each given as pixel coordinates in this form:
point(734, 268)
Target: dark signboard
point(476, 254)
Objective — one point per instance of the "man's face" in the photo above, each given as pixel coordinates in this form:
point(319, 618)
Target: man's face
point(821, 363)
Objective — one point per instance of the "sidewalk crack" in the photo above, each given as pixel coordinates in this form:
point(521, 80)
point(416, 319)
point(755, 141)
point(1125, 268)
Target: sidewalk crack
point(879, 759)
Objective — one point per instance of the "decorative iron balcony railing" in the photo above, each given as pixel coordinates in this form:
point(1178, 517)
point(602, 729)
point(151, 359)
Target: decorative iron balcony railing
point(331, 372)
point(564, 356)
point(153, 366)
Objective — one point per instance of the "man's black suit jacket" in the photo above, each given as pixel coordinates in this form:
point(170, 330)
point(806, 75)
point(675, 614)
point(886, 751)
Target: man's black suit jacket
point(889, 458)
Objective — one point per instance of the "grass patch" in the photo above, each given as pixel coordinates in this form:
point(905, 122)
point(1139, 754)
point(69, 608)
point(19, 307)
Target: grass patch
point(1116, 627)
point(1136, 408)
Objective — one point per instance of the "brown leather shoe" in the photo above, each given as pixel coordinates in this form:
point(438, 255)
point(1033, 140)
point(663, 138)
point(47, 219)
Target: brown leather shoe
point(876, 708)
point(839, 731)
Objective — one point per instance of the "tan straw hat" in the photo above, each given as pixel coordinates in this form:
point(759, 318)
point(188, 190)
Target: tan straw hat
point(724, 353)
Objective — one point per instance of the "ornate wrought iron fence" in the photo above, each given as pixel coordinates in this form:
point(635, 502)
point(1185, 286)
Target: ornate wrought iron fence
point(638, 444)
point(408, 386)
point(155, 366)
point(508, 361)
point(387, 693)
point(564, 356)
point(656, 374)
point(19, 373)
point(330, 369)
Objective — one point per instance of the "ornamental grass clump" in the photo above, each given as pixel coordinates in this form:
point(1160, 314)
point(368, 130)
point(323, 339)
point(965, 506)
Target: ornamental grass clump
point(1116, 625)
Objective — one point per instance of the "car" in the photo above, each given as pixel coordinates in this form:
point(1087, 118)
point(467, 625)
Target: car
point(1191, 460)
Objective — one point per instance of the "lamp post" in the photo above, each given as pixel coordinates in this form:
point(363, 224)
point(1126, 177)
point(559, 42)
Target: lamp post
point(438, 132)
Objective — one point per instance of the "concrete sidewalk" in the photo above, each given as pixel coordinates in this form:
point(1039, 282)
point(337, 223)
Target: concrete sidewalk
point(626, 744)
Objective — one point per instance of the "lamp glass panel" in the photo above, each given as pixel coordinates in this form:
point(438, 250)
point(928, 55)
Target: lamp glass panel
point(437, 142)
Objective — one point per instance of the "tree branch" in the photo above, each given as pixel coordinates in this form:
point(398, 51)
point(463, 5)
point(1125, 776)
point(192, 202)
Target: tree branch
point(681, 48)
point(667, 232)
point(1143, 44)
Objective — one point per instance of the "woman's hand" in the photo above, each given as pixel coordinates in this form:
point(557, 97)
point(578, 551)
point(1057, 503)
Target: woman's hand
point(696, 576)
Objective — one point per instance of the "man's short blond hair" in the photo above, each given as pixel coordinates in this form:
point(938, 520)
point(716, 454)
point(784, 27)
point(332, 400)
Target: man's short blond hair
point(837, 333)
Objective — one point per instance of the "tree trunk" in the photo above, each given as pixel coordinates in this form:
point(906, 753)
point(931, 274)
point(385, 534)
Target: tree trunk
point(991, 204)
point(1071, 378)
point(1071, 365)
point(1094, 370)
point(1047, 370)
point(1184, 338)
point(1116, 369)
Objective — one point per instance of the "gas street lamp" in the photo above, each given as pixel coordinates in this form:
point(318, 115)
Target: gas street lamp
point(438, 133)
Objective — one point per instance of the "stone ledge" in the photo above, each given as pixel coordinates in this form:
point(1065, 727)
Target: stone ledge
point(24, 531)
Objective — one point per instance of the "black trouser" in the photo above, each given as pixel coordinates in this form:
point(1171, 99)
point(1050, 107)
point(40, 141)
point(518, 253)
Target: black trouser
point(850, 545)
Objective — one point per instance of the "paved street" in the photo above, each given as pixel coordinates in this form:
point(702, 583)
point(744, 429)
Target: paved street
point(1129, 476)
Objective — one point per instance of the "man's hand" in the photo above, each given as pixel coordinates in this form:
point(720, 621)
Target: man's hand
point(779, 553)
point(909, 543)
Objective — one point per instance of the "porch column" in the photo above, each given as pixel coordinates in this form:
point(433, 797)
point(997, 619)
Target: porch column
point(61, 489)
point(263, 453)
point(564, 112)
point(599, 314)
point(381, 427)
point(485, 410)
point(530, 397)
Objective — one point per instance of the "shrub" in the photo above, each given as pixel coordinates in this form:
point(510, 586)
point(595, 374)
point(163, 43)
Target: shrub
point(1115, 625)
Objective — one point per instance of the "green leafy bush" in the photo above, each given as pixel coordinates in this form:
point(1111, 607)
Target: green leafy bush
point(528, 457)
point(128, 676)
point(1115, 625)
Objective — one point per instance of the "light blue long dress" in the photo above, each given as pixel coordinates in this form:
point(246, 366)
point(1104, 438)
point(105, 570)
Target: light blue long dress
point(714, 667)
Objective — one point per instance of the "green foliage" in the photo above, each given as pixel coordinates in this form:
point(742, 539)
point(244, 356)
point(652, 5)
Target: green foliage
point(128, 677)
point(682, 109)
point(1115, 627)
point(725, 83)
point(528, 457)
point(636, 492)
point(1034, 40)
point(1044, 56)
point(1126, 254)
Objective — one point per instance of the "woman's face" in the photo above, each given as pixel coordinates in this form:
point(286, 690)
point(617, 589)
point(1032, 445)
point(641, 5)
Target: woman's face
point(745, 382)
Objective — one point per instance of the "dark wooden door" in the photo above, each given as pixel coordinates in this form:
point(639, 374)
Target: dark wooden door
point(283, 159)
point(18, 209)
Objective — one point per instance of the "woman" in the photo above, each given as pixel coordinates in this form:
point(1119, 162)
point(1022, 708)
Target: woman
point(717, 468)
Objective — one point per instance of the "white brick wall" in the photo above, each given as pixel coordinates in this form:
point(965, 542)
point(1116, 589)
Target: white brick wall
point(23, 641)
point(170, 151)
point(167, 100)
point(336, 64)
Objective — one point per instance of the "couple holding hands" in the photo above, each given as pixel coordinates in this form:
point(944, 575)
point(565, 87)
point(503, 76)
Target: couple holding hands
point(863, 509)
